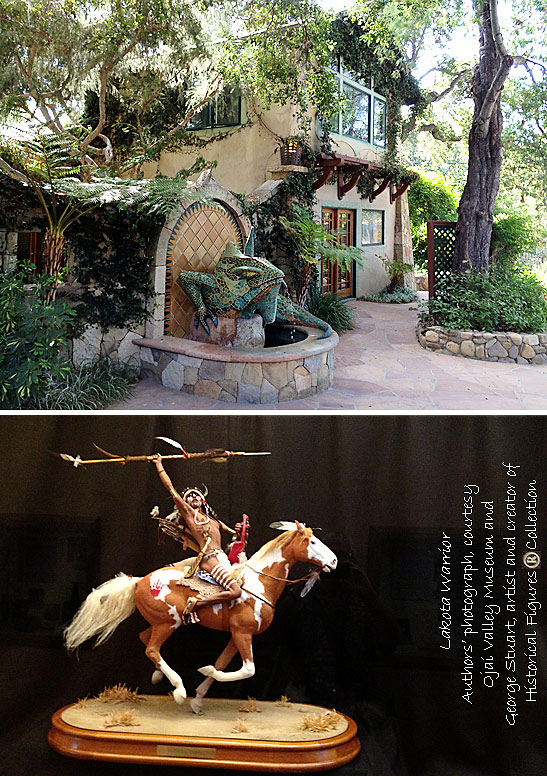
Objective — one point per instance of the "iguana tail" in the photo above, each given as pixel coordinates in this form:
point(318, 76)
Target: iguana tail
point(291, 313)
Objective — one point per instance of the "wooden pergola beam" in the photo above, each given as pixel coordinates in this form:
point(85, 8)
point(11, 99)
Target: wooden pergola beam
point(395, 194)
point(353, 166)
point(382, 187)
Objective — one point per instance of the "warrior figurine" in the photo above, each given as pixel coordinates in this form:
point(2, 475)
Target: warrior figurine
point(204, 527)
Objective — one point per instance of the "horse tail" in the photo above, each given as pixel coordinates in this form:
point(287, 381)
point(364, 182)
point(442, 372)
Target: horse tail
point(102, 611)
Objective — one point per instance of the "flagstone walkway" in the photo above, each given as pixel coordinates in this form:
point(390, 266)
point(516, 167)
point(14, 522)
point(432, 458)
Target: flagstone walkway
point(380, 366)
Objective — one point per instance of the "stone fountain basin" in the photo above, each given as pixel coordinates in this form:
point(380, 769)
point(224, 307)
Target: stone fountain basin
point(247, 376)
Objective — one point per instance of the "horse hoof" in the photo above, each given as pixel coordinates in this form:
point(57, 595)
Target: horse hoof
point(195, 705)
point(207, 670)
point(157, 676)
point(179, 695)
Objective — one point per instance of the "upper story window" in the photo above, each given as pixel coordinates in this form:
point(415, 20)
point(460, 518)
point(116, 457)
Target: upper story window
point(363, 115)
point(224, 110)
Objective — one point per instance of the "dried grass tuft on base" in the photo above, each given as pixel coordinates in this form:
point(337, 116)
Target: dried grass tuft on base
point(81, 702)
point(250, 706)
point(317, 723)
point(283, 701)
point(240, 727)
point(119, 693)
point(121, 719)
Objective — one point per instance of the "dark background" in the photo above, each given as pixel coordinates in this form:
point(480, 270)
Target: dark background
point(364, 641)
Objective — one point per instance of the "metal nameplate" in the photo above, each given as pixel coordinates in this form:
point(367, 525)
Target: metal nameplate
point(198, 752)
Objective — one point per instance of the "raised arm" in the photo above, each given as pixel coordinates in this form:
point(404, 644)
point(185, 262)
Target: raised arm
point(181, 505)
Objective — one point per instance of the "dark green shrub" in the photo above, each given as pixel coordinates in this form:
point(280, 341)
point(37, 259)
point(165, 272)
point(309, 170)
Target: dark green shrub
point(498, 299)
point(90, 387)
point(431, 198)
point(331, 309)
point(33, 338)
point(112, 263)
point(512, 235)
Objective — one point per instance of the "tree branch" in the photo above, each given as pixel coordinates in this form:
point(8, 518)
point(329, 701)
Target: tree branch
point(103, 80)
point(432, 97)
point(496, 30)
point(13, 173)
point(438, 133)
point(218, 85)
point(416, 44)
point(105, 71)
point(107, 151)
point(453, 83)
point(496, 87)
point(431, 70)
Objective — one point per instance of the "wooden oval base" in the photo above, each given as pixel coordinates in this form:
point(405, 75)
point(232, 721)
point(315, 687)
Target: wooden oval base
point(273, 737)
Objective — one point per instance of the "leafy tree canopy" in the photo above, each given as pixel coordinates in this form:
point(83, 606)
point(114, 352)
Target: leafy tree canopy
point(420, 32)
point(144, 68)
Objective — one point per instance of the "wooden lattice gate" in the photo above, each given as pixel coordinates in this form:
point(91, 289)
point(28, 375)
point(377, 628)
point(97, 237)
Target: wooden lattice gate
point(441, 236)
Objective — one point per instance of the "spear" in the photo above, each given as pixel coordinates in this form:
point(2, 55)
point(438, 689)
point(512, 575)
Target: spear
point(217, 455)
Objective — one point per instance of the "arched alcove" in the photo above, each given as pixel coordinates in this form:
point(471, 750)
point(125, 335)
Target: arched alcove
point(193, 238)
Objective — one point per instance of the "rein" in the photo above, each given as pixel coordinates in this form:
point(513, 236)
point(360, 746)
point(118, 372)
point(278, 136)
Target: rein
point(279, 579)
point(271, 576)
point(259, 597)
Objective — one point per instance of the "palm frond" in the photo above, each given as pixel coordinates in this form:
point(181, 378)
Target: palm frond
point(315, 240)
point(50, 157)
point(157, 196)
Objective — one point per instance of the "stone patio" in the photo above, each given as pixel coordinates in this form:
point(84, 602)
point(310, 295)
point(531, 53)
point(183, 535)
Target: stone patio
point(381, 366)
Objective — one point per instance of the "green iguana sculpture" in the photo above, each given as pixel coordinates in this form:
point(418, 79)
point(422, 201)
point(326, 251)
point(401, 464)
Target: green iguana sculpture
point(242, 285)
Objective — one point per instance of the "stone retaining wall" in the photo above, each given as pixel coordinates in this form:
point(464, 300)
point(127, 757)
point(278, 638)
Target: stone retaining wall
point(505, 346)
point(118, 344)
point(258, 376)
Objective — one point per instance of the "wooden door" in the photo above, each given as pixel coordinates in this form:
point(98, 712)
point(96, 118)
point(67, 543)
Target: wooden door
point(29, 248)
point(333, 277)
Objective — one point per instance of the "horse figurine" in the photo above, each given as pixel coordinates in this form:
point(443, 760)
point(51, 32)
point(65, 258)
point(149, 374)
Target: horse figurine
point(161, 598)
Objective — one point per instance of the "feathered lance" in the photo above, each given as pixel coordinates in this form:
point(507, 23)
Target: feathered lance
point(217, 455)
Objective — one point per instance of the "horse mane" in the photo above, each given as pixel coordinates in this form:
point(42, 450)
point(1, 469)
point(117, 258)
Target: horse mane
point(274, 544)
point(277, 543)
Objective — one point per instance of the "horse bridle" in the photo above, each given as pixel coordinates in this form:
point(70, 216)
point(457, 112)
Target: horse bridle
point(279, 579)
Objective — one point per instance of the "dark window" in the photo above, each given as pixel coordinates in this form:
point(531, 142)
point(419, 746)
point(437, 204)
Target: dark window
point(224, 110)
point(379, 122)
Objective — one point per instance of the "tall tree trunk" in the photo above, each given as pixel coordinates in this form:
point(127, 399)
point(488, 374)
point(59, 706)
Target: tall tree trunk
point(476, 208)
point(54, 261)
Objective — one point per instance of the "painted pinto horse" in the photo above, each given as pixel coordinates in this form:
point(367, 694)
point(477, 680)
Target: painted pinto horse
point(162, 595)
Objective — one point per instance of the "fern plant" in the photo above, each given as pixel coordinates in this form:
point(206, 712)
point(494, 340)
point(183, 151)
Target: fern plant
point(42, 162)
point(50, 164)
point(316, 244)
